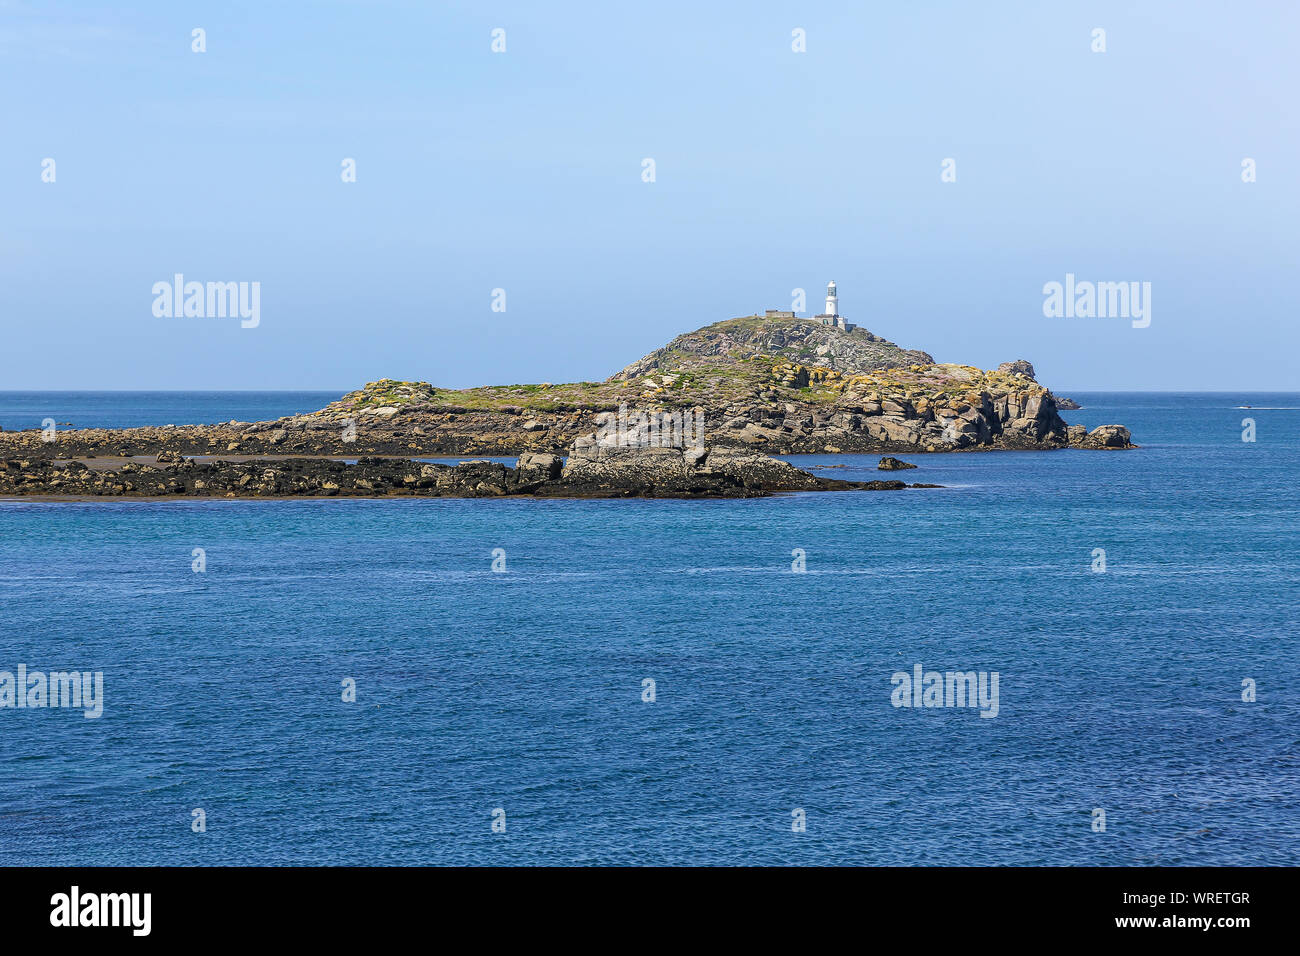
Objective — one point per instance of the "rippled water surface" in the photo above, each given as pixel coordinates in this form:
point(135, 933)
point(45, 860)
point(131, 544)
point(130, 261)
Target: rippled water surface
point(523, 690)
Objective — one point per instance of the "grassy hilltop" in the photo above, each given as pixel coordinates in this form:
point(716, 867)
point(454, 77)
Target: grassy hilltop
point(718, 364)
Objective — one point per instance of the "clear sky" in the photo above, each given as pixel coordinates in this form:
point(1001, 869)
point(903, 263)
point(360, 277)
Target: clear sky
point(522, 170)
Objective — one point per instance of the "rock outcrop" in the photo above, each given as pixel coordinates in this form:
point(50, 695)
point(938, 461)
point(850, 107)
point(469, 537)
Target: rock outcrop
point(920, 408)
point(1025, 370)
point(1019, 367)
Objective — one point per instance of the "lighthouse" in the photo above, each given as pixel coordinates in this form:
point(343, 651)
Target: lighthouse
point(832, 315)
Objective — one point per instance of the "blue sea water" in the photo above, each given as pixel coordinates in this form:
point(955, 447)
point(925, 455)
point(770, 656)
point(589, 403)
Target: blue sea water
point(23, 410)
point(523, 690)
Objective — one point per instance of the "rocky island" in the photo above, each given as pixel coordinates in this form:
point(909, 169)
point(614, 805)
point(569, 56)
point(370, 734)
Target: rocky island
point(732, 394)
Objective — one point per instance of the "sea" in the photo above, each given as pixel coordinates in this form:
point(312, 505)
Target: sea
point(346, 682)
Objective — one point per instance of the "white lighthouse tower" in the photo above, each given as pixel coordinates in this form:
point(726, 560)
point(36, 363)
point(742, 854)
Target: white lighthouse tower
point(832, 315)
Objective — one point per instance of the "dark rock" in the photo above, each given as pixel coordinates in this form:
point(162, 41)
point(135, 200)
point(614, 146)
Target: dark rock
point(893, 464)
point(592, 471)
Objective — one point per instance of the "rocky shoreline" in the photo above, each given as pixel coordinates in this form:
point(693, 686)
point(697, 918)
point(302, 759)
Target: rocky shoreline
point(591, 471)
point(789, 429)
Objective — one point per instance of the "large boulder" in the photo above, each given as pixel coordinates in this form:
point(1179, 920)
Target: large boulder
point(537, 466)
point(895, 430)
point(1107, 437)
point(1018, 367)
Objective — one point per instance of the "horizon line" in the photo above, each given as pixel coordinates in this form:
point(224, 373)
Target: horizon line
point(1059, 391)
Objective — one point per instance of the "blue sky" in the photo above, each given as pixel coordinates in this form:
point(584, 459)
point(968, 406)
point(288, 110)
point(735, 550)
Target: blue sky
point(521, 170)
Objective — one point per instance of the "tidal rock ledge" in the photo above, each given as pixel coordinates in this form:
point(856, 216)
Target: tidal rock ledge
point(592, 471)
